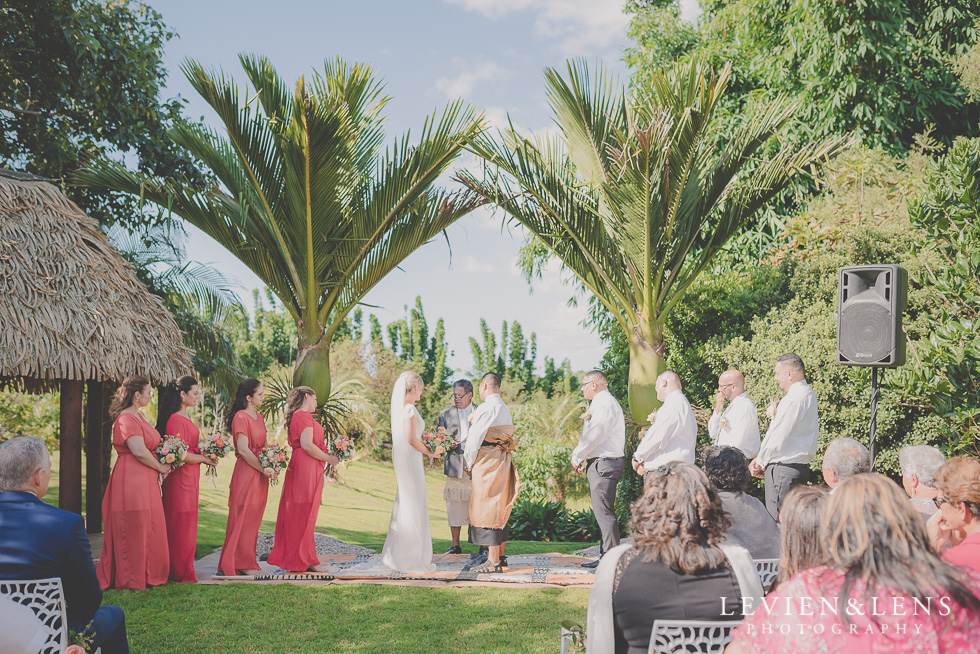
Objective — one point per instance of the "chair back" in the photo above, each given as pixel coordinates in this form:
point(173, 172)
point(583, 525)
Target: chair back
point(47, 599)
point(690, 636)
point(768, 570)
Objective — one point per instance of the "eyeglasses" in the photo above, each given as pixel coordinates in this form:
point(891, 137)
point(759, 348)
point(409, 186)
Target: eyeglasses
point(722, 387)
point(586, 384)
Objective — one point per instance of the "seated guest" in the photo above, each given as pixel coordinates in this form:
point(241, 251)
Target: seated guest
point(919, 464)
point(678, 532)
point(844, 458)
point(752, 526)
point(38, 541)
point(957, 523)
point(884, 589)
point(799, 531)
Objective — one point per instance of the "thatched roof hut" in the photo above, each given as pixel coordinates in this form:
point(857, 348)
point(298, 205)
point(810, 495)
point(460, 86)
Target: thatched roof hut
point(72, 311)
point(70, 306)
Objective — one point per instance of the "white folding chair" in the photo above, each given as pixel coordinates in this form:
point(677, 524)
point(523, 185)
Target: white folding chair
point(768, 570)
point(47, 599)
point(690, 636)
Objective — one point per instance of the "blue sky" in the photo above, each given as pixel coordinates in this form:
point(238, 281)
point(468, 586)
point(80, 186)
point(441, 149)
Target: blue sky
point(491, 53)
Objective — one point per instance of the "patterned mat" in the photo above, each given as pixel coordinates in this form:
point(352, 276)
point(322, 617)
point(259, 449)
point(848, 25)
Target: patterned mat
point(551, 569)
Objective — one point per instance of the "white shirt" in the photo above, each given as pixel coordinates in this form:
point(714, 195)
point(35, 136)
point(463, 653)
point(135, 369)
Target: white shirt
point(792, 435)
point(463, 415)
point(672, 436)
point(740, 428)
point(604, 433)
point(492, 413)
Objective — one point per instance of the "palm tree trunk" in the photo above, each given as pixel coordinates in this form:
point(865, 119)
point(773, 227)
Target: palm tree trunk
point(646, 364)
point(313, 367)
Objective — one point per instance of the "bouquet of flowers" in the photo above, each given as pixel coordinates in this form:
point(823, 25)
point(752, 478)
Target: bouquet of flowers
point(171, 450)
point(341, 446)
point(438, 441)
point(275, 457)
point(215, 447)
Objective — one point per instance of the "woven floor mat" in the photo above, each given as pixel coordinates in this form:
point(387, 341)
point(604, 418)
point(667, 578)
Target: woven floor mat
point(451, 569)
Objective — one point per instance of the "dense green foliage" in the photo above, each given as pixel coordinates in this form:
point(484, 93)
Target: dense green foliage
point(80, 79)
point(551, 521)
point(880, 69)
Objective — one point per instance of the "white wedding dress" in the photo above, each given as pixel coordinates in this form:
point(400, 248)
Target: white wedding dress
point(408, 546)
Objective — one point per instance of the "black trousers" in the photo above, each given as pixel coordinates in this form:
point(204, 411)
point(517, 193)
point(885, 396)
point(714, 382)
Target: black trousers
point(780, 477)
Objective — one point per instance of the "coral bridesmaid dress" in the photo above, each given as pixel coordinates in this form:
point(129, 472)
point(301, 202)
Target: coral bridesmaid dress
point(134, 546)
point(181, 491)
point(295, 549)
point(246, 499)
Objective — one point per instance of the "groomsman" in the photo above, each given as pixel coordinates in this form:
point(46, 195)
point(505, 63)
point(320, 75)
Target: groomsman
point(791, 442)
point(738, 425)
point(600, 455)
point(456, 421)
point(674, 432)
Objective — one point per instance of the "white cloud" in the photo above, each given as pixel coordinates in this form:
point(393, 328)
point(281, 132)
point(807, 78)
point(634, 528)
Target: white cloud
point(462, 85)
point(471, 265)
point(580, 26)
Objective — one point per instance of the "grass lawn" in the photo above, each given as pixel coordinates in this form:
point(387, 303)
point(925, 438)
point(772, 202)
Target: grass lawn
point(345, 618)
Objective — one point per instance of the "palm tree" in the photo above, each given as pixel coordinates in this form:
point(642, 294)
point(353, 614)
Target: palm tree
point(199, 298)
point(631, 198)
point(307, 199)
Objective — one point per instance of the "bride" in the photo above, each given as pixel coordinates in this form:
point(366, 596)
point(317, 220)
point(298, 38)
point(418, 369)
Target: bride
point(408, 546)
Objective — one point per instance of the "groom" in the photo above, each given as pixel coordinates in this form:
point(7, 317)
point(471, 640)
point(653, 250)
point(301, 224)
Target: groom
point(487, 453)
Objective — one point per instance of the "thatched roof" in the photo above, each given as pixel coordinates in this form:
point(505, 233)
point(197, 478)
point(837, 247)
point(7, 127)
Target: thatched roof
point(70, 306)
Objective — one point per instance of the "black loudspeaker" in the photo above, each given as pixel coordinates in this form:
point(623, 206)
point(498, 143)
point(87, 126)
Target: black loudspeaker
point(870, 303)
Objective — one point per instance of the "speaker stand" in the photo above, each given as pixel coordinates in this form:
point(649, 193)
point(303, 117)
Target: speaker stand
point(873, 426)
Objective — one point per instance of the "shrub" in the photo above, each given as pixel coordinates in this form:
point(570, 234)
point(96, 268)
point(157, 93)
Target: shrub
point(552, 522)
point(30, 415)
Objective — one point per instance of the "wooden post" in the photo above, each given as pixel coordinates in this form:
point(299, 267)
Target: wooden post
point(70, 486)
point(94, 413)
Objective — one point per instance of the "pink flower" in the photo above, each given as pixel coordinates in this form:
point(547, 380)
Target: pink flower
point(74, 649)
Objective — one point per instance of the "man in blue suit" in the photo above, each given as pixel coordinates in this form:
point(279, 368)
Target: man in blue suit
point(38, 541)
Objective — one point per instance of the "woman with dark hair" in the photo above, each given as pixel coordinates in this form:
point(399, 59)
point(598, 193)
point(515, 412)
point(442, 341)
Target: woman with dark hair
point(799, 531)
point(677, 567)
point(134, 544)
point(957, 523)
point(883, 589)
point(752, 526)
point(182, 487)
point(295, 548)
point(249, 481)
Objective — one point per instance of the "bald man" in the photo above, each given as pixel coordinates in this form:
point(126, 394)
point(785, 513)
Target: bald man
point(674, 432)
point(738, 425)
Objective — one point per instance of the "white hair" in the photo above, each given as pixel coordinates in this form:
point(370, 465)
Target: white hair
point(20, 458)
point(921, 462)
point(847, 457)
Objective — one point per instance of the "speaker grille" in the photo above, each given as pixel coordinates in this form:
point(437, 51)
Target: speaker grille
point(868, 332)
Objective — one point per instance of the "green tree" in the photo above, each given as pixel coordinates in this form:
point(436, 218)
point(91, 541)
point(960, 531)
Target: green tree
point(633, 199)
point(308, 201)
point(878, 68)
point(411, 343)
point(513, 360)
point(80, 79)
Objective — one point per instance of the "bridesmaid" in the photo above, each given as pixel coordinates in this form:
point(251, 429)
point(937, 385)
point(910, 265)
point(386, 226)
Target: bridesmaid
point(134, 546)
point(295, 548)
point(182, 488)
point(249, 482)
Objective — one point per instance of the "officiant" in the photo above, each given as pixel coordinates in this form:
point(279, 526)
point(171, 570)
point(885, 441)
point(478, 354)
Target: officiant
point(456, 420)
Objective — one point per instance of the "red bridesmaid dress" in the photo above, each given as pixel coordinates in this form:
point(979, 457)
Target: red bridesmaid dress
point(181, 491)
point(295, 549)
point(134, 545)
point(246, 499)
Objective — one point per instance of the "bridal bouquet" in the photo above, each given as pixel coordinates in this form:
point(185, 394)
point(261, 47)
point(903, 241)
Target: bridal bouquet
point(275, 457)
point(438, 441)
point(171, 450)
point(341, 446)
point(215, 447)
